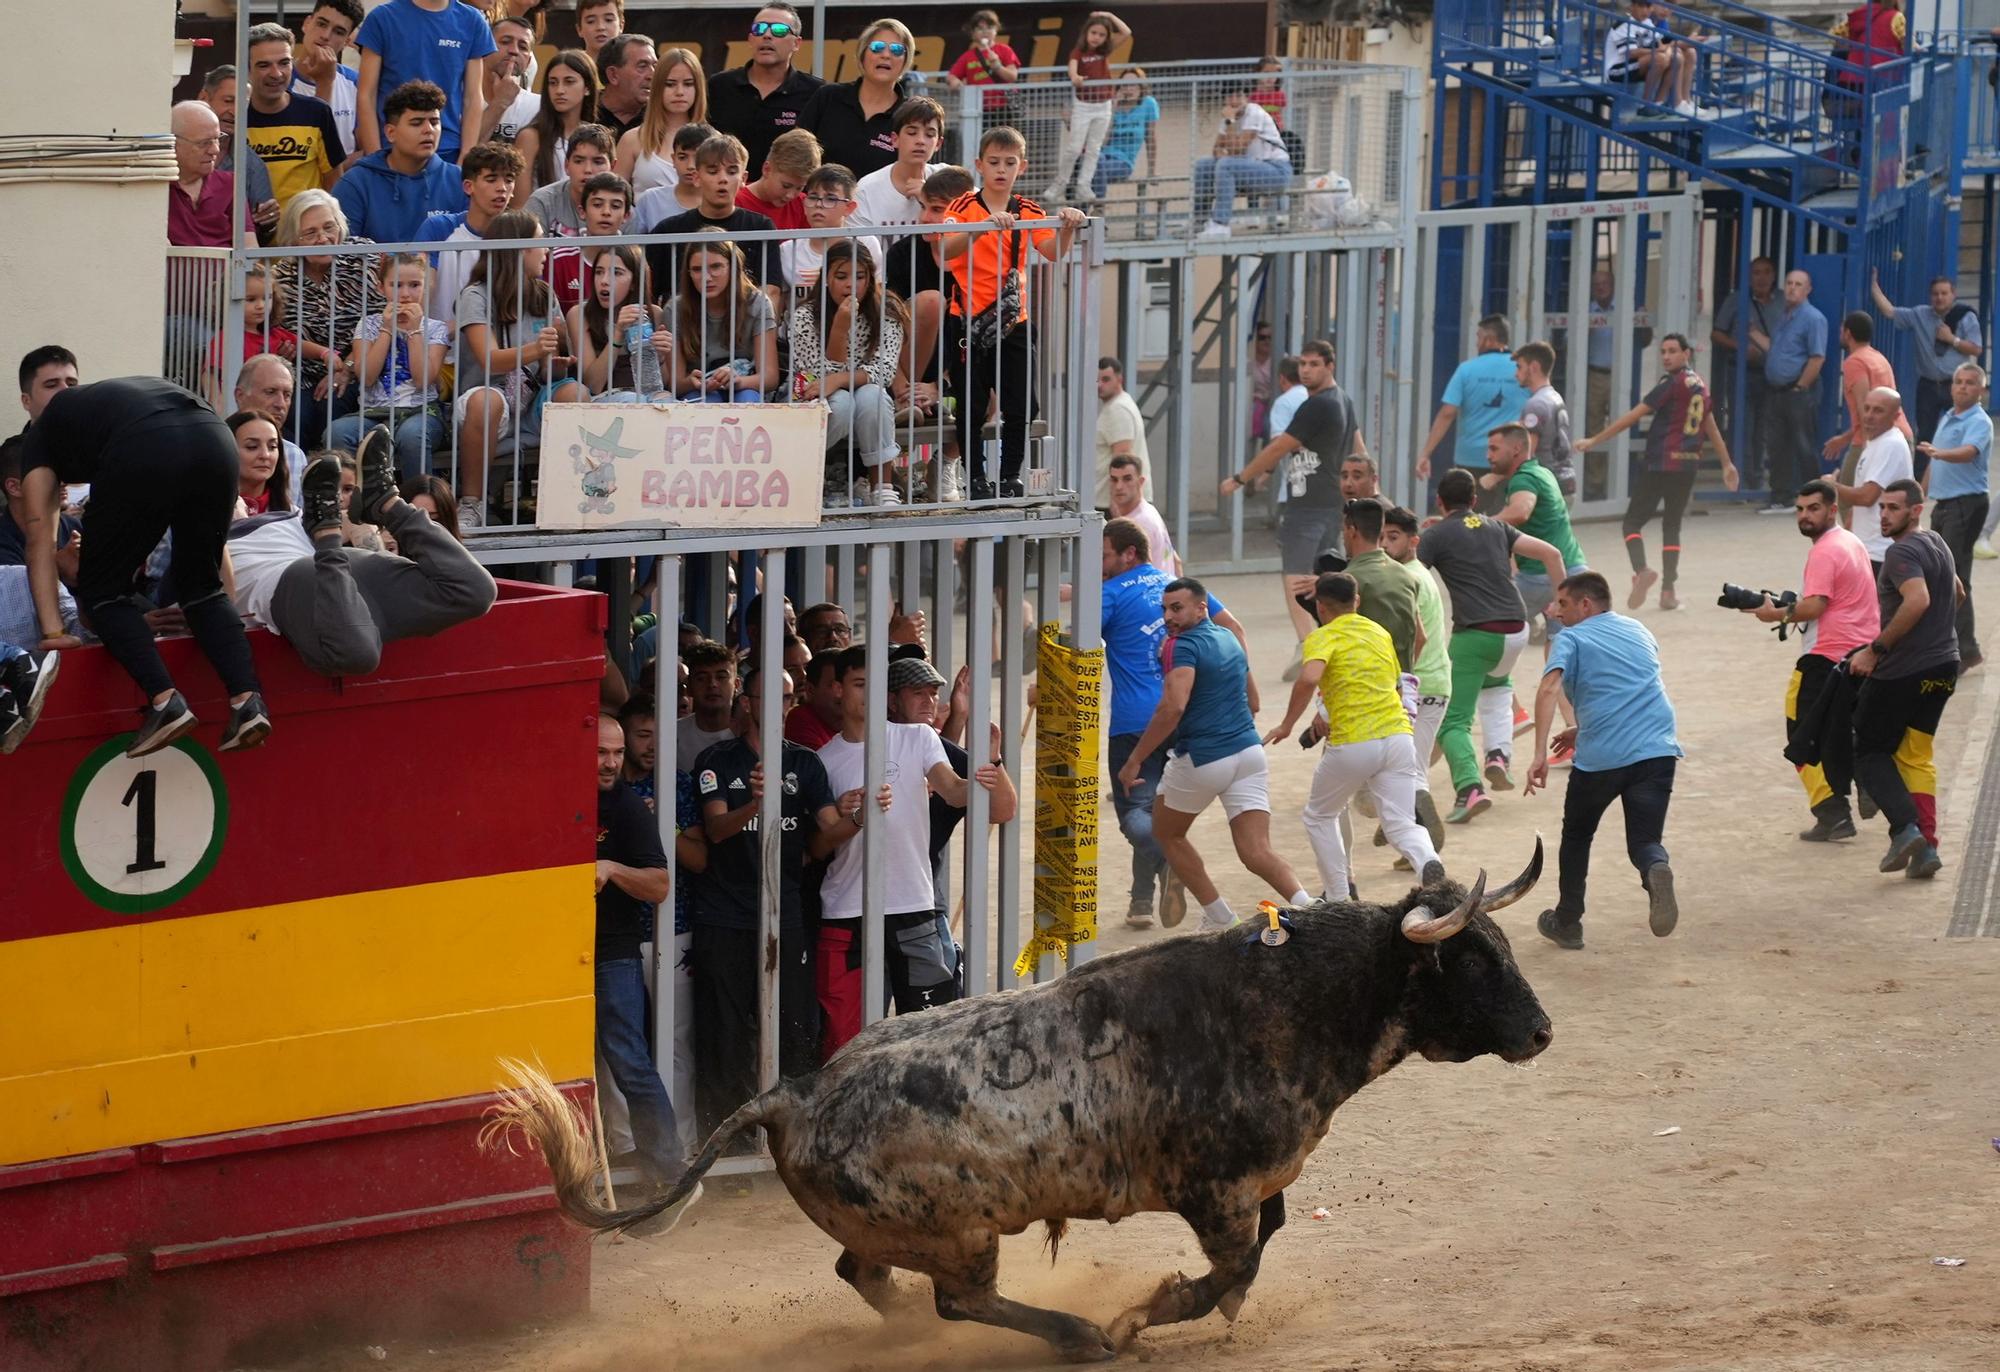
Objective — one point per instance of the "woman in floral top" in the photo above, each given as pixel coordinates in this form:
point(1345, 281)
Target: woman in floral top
point(323, 300)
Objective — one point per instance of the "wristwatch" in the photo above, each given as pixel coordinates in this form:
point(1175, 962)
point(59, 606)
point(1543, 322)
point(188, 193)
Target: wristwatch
point(1878, 647)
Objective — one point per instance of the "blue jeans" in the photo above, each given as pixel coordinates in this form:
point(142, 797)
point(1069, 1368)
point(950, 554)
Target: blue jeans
point(1135, 813)
point(623, 1043)
point(419, 434)
point(741, 395)
point(1217, 179)
point(1112, 167)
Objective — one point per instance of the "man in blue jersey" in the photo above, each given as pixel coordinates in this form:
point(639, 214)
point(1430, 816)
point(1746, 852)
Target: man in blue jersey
point(1207, 708)
point(1482, 394)
point(1134, 630)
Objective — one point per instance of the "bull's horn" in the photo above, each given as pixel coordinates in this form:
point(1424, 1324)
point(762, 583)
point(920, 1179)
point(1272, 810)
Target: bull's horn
point(1519, 886)
point(1420, 926)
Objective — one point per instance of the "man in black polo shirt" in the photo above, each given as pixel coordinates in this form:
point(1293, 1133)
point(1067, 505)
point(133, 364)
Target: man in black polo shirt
point(627, 63)
point(1322, 435)
point(762, 98)
point(729, 787)
point(631, 875)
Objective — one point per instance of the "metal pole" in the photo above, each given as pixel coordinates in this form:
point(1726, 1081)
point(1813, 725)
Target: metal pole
point(770, 812)
point(1229, 402)
point(875, 769)
point(1007, 909)
point(979, 657)
point(819, 38)
point(1183, 411)
point(666, 765)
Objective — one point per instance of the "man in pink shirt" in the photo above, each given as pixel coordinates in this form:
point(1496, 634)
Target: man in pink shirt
point(199, 198)
point(1125, 483)
point(1838, 602)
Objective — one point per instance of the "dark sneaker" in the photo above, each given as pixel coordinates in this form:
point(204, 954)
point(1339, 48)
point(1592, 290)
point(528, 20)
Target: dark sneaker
point(1139, 915)
point(320, 491)
point(1924, 865)
point(1663, 911)
point(1562, 933)
point(1825, 832)
point(1173, 901)
point(162, 725)
point(1497, 775)
point(1903, 845)
point(982, 489)
point(249, 726)
point(1472, 801)
point(1427, 815)
point(29, 678)
point(377, 460)
point(1381, 839)
point(1433, 872)
point(1865, 803)
point(1012, 490)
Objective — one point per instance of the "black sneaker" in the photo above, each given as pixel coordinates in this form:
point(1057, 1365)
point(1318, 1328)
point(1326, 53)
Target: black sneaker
point(162, 725)
point(1663, 911)
point(1562, 934)
point(1381, 838)
point(249, 726)
point(1433, 872)
point(1924, 865)
point(377, 459)
point(1904, 844)
point(1013, 490)
point(1824, 832)
point(28, 678)
point(1865, 803)
point(982, 489)
point(320, 491)
point(1427, 815)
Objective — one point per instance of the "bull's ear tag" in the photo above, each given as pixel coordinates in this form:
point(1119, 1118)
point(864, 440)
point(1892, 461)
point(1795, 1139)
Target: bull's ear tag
point(1276, 933)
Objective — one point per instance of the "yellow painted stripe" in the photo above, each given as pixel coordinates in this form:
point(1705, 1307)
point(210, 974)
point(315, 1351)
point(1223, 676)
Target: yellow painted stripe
point(228, 1021)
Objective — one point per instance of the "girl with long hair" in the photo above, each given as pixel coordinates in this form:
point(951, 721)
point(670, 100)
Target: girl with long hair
point(612, 367)
point(569, 98)
point(1091, 93)
point(846, 344)
point(724, 327)
point(679, 97)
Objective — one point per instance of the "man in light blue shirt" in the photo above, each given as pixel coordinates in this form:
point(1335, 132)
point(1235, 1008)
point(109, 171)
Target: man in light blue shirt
point(1626, 749)
point(1482, 395)
point(1283, 407)
point(1947, 333)
point(1794, 353)
point(1959, 454)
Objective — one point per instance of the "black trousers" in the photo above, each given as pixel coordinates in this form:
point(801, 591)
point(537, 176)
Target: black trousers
point(181, 478)
point(1933, 402)
point(1957, 520)
point(723, 968)
point(1792, 420)
point(1645, 787)
point(1665, 491)
point(1811, 675)
point(985, 373)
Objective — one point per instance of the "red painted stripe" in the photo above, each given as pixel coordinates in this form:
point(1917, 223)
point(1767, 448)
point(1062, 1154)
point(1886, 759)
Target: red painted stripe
point(333, 1127)
point(109, 1267)
point(467, 754)
point(69, 1169)
point(349, 1231)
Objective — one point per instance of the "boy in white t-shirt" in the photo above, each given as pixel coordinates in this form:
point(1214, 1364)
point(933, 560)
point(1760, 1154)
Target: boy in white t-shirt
point(490, 171)
point(916, 768)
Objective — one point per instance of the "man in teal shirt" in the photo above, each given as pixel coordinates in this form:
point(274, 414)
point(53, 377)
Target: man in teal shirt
point(1481, 394)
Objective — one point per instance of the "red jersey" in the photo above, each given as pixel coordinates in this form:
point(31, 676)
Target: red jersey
point(1875, 35)
point(1680, 408)
point(792, 215)
point(973, 72)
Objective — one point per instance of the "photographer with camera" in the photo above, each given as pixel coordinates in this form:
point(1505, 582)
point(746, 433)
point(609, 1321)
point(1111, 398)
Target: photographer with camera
point(1837, 599)
point(1909, 672)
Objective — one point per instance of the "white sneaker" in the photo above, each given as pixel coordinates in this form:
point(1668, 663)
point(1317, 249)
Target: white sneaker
point(1685, 109)
point(887, 496)
point(951, 483)
point(471, 513)
point(1214, 229)
point(1983, 550)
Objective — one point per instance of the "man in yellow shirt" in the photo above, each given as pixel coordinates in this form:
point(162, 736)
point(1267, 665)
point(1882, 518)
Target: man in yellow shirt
point(1351, 661)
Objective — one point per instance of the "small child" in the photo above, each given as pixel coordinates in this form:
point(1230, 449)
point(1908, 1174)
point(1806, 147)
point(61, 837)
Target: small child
point(991, 269)
point(725, 329)
point(559, 205)
point(398, 354)
point(829, 201)
point(793, 158)
point(986, 61)
point(607, 203)
point(1091, 93)
point(259, 336)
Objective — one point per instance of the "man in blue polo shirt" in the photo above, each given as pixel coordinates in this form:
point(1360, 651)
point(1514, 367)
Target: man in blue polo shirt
point(1960, 452)
point(1134, 629)
point(1626, 749)
point(1482, 394)
point(1794, 352)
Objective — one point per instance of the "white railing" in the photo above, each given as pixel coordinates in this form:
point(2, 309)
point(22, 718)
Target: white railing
point(197, 305)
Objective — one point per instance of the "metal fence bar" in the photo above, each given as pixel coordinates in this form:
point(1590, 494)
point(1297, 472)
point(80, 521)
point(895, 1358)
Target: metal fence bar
point(979, 658)
point(1012, 648)
point(770, 816)
point(875, 768)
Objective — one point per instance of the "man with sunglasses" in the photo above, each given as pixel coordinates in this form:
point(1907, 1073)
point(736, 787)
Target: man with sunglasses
point(762, 98)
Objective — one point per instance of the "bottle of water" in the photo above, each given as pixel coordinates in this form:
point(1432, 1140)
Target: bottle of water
point(646, 378)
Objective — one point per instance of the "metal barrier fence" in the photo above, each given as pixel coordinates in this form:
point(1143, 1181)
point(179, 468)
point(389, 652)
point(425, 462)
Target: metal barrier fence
point(197, 308)
point(1165, 156)
point(974, 390)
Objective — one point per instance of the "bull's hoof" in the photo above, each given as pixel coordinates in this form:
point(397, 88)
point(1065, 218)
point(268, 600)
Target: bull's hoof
point(1158, 1309)
point(1231, 1303)
point(1088, 1344)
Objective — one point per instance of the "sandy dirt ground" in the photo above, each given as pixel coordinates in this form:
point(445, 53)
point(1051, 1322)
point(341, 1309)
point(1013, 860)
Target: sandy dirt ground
point(1827, 1054)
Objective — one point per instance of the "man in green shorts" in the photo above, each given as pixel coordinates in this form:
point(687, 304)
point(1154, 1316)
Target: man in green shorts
point(1535, 506)
point(1474, 554)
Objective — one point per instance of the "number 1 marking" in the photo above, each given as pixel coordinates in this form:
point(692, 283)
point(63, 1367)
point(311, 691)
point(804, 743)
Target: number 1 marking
point(141, 790)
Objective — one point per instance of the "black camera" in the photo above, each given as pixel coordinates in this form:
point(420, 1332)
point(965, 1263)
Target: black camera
point(1736, 597)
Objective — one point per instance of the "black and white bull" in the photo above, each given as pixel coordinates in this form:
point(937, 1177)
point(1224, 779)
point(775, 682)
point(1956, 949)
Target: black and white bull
point(1194, 1075)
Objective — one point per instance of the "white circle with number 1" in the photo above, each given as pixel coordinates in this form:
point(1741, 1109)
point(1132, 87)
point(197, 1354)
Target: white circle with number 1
point(142, 832)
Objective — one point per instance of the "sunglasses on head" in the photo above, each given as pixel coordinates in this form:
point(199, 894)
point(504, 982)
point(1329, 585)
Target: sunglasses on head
point(893, 49)
point(766, 28)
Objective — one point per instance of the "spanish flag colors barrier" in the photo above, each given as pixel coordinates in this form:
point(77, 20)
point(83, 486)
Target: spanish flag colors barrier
point(253, 1001)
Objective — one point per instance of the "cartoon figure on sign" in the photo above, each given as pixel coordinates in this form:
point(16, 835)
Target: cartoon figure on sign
point(593, 460)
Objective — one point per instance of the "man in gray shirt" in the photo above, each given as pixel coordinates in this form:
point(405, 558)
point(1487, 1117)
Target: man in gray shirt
point(1907, 675)
point(1947, 335)
point(1546, 415)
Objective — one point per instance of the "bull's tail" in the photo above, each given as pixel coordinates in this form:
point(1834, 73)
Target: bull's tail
point(534, 1108)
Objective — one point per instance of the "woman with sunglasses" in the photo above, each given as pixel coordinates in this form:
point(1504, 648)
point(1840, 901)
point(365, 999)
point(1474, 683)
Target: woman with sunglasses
point(762, 98)
point(853, 119)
